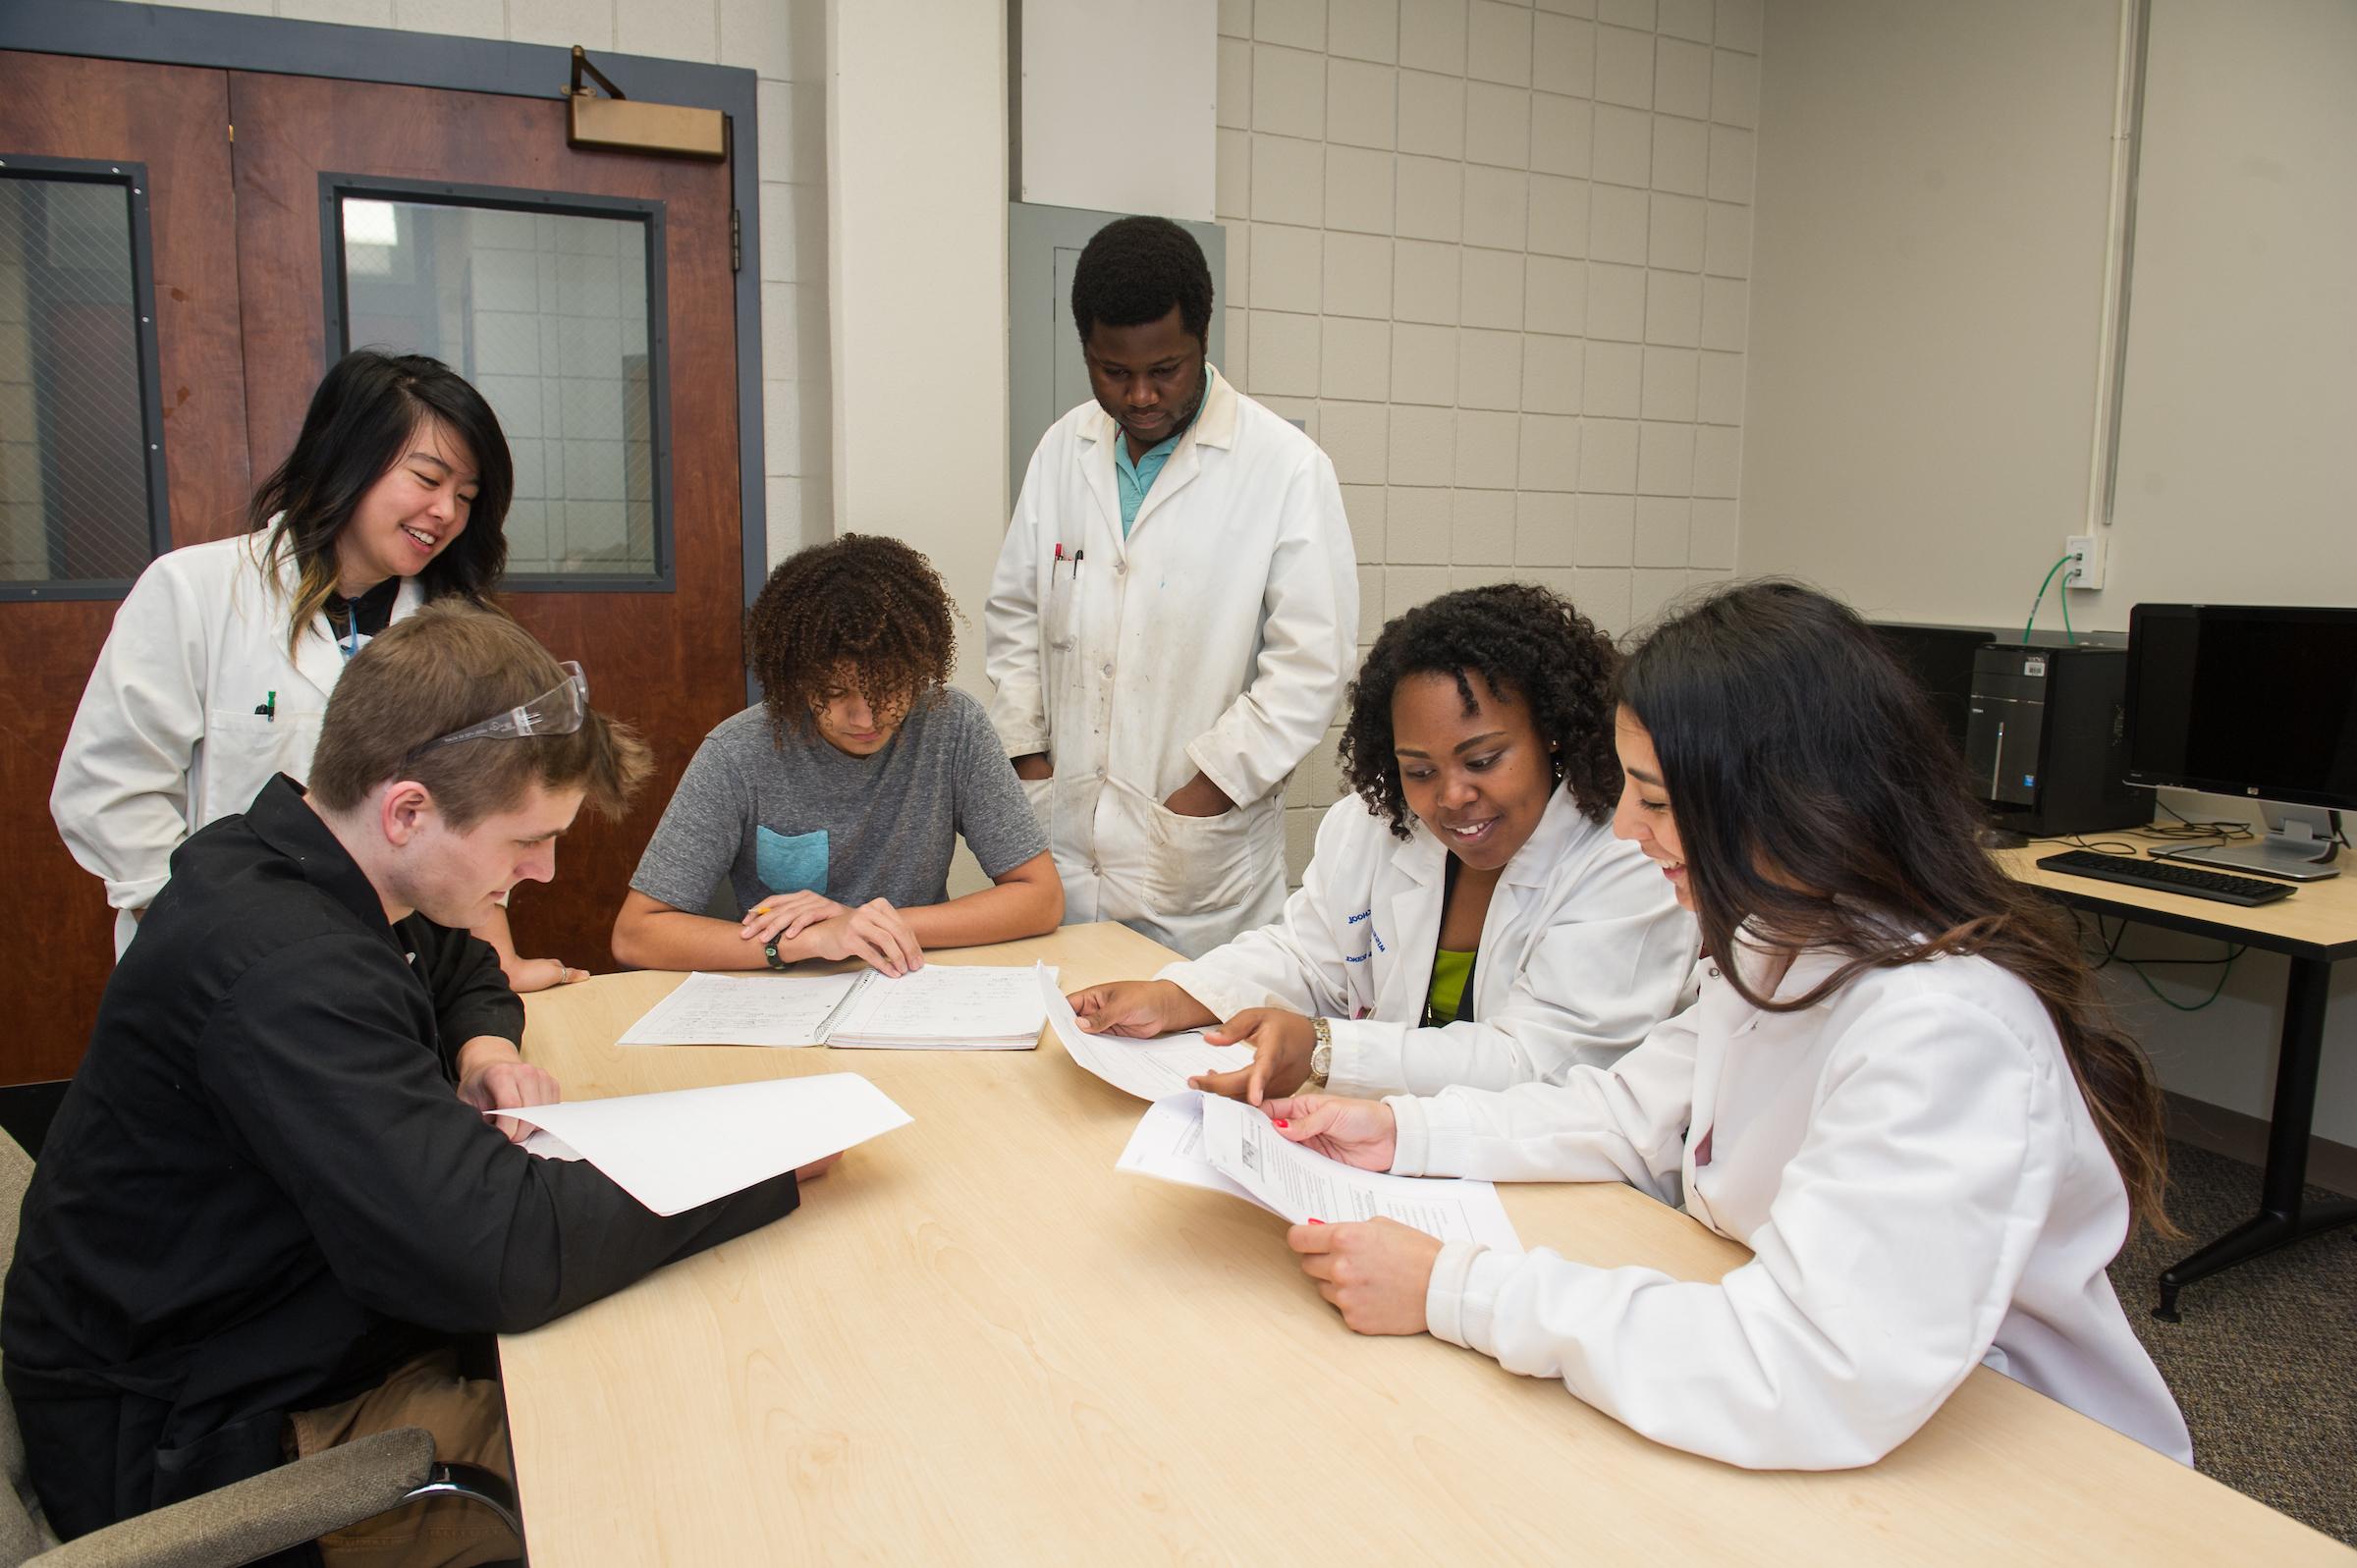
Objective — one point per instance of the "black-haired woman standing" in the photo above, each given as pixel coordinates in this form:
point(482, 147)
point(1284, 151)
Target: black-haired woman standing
point(1467, 917)
point(218, 669)
point(1898, 1088)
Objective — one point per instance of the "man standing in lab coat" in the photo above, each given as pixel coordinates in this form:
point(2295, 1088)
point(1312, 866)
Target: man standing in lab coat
point(1174, 615)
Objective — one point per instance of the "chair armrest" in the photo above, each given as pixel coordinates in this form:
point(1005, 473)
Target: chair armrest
point(253, 1518)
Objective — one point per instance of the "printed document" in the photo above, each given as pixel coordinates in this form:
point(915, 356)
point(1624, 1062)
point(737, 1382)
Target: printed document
point(1147, 1069)
point(755, 1009)
point(673, 1152)
point(1232, 1141)
point(1168, 1146)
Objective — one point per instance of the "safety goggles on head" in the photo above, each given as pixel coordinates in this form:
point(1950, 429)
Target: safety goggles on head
point(558, 710)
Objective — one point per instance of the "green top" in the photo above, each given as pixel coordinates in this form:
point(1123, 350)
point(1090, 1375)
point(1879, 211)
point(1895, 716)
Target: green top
point(1449, 972)
point(1138, 477)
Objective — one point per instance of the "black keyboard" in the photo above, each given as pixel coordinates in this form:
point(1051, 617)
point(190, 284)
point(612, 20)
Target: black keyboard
point(2137, 871)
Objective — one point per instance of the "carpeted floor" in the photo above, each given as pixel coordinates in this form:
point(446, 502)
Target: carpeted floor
point(2265, 1363)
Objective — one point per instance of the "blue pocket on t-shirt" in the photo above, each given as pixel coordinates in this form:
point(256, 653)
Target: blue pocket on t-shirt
point(796, 863)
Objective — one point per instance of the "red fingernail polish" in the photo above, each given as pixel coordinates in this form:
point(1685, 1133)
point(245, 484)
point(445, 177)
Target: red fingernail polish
point(1317, 1222)
point(1282, 1122)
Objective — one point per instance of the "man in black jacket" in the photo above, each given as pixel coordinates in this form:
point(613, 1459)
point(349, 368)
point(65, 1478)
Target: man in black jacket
point(272, 1188)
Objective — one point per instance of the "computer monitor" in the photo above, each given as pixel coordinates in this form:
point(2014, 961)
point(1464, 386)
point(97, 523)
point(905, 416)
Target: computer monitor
point(2258, 701)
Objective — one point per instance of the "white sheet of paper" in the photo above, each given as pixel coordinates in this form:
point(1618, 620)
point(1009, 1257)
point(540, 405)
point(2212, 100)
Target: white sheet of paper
point(946, 1007)
point(1150, 1069)
point(1168, 1145)
point(674, 1150)
point(756, 1010)
point(1302, 1184)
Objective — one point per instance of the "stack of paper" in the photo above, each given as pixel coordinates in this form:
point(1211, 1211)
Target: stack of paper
point(940, 1007)
point(673, 1152)
point(755, 1009)
point(947, 1008)
point(1202, 1140)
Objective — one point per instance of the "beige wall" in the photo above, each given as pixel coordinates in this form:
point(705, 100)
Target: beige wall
point(917, 229)
point(1928, 285)
point(1495, 258)
point(783, 42)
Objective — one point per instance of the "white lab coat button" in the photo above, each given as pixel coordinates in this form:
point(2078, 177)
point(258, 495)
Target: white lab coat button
point(1120, 568)
point(1106, 669)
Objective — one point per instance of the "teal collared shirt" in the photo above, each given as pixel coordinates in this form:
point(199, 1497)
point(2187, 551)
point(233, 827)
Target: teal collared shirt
point(1136, 478)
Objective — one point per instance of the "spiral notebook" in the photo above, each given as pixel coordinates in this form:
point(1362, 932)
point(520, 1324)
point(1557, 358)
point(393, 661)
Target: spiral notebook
point(939, 1008)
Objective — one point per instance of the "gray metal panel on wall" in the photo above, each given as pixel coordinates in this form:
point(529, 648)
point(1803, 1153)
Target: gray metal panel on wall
point(1045, 374)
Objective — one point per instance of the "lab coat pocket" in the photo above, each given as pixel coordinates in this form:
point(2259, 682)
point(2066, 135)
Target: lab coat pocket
point(1202, 864)
point(1041, 793)
point(241, 750)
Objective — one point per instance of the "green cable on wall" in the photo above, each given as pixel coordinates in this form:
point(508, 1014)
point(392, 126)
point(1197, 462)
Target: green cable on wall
point(2068, 635)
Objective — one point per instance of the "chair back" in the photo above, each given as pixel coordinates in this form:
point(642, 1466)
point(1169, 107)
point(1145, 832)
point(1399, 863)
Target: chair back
point(23, 1532)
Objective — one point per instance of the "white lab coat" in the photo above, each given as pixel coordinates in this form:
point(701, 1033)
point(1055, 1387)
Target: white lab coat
point(167, 737)
point(1583, 951)
point(1914, 1170)
point(1217, 638)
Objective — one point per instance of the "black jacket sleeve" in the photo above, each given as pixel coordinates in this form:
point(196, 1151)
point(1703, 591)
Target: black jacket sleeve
point(471, 991)
point(424, 1211)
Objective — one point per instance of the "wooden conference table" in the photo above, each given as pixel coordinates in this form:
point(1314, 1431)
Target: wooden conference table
point(978, 1343)
point(2314, 929)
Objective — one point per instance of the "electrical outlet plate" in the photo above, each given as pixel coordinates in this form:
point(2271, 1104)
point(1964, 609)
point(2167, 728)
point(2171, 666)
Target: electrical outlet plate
point(2088, 570)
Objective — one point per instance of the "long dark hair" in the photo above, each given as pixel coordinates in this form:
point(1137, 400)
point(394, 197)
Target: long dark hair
point(1818, 800)
point(1521, 638)
point(360, 421)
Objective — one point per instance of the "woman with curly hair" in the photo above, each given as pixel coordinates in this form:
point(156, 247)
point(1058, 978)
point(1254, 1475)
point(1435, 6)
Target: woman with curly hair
point(832, 808)
point(1899, 1088)
point(1467, 917)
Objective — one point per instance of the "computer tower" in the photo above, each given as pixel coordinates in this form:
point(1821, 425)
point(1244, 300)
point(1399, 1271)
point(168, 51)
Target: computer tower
point(2046, 740)
point(1939, 658)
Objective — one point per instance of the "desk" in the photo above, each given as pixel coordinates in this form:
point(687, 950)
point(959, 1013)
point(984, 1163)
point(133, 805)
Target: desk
point(977, 1342)
point(2315, 927)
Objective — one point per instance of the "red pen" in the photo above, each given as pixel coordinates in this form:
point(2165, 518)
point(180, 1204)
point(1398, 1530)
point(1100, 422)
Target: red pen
point(1058, 562)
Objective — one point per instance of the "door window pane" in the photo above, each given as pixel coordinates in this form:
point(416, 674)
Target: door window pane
point(77, 501)
point(547, 314)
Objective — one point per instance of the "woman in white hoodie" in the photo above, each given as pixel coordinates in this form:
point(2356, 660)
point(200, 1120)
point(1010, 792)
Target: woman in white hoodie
point(1467, 917)
point(1899, 1088)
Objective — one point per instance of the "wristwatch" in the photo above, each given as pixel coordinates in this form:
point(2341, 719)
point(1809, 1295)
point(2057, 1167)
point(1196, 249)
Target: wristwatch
point(1320, 1055)
point(769, 951)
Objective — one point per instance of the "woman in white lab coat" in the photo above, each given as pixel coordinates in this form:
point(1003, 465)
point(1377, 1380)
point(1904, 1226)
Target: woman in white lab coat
point(218, 669)
point(1468, 917)
point(1899, 1089)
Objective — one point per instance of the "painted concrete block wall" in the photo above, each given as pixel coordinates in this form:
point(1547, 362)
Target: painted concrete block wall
point(1926, 293)
point(784, 43)
point(1496, 257)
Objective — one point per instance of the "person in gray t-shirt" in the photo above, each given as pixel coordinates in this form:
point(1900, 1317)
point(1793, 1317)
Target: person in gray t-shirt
point(833, 808)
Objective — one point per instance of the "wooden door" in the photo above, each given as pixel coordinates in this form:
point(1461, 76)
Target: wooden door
point(670, 662)
point(55, 930)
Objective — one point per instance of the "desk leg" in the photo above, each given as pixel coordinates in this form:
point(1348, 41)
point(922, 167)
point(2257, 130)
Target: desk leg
point(2282, 1216)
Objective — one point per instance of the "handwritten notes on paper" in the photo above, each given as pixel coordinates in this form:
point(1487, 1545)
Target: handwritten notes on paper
point(756, 1010)
point(939, 1008)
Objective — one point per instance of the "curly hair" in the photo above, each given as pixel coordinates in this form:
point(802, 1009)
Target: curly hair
point(1521, 638)
point(1133, 270)
point(863, 601)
